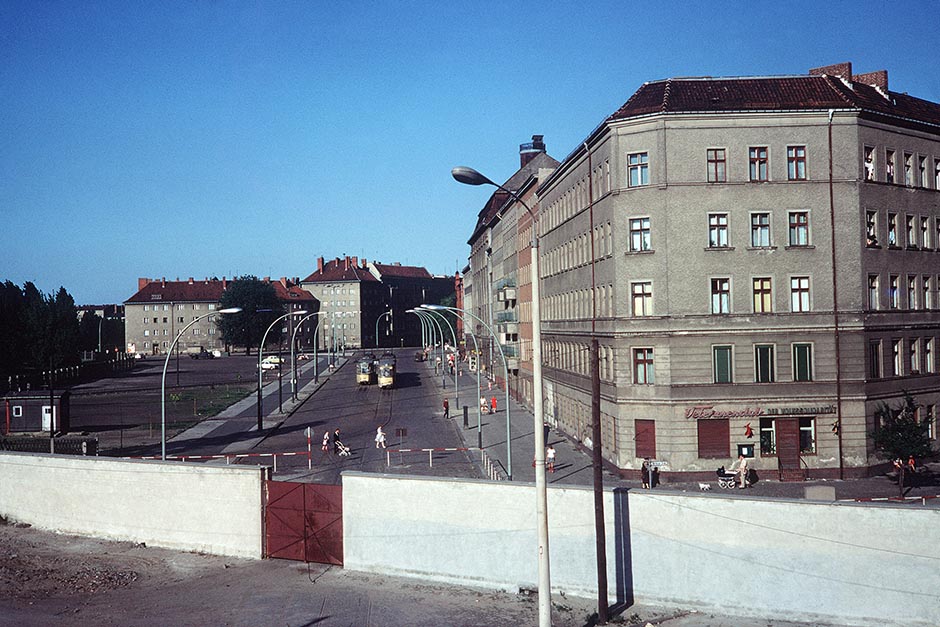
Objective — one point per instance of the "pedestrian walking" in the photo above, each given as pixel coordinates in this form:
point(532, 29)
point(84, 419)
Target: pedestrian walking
point(325, 447)
point(493, 404)
point(446, 409)
point(550, 458)
point(380, 437)
point(336, 442)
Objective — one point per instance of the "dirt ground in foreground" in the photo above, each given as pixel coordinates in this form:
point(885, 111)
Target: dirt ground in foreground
point(53, 579)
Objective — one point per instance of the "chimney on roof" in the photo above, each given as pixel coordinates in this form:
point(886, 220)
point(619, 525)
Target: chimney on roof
point(284, 282)
point(347, 262)
point(163, 282)
point(354, 262)
point(528, 151)
point(320, 265)
point(142, 282)
point(365, 264)
point(224, 284)
point(190, 280)
point(843, 70)
point(878, 78)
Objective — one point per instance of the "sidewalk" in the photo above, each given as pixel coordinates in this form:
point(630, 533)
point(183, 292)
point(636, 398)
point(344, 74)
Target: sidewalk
point(573, 465)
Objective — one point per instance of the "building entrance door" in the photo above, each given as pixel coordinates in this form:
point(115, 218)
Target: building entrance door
point(788, 450)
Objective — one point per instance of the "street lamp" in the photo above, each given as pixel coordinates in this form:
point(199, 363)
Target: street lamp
point(456, 353)
point(476, 349)
point(432, 322)
point(293, 359)
point(302, 312)
point(387, 313)
point(231, 310)
point(505, 375)
point(469, 176)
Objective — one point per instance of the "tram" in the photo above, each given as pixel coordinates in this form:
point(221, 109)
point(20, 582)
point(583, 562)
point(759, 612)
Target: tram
point(386, 369)
point(365, 370)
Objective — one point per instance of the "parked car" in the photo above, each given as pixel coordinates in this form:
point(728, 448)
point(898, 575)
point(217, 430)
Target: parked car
point(271, 362)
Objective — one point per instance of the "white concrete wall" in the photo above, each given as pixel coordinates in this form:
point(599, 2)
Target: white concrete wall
point(847, 563)
point(189, 507)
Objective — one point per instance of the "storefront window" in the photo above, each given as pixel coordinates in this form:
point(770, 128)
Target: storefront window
point(768, 436)
point(807, 435)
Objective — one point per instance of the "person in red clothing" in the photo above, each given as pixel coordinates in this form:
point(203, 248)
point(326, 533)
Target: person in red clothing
point(446, 409)
point(493, 404)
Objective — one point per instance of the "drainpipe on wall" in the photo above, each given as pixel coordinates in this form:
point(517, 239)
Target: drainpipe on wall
point(835, 302)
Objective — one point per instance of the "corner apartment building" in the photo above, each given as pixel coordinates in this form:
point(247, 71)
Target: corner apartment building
point(159, 309)
point(759, 258)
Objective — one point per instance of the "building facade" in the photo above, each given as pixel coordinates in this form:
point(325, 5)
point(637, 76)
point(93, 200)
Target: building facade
point(499, 253)
point(364, 304)
point(161, 309)
point(759, 260)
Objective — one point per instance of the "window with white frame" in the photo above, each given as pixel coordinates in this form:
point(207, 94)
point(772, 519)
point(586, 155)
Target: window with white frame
point(922, 170)
point(909, 169)
point(925, 300)
point(718, 230)
point(911, 229)
point(889, 166)
point(894, 292)
point(897, 361)
point(807, 435)
point(869, 163)
point(925, 233)
point(913, 353)
point(873, 292)
point(799, 294)
point(871, 228)
point(768, 436)
point(928, 365)
point(638, 169)
point(721, 295)
point(760, 230)
point(892, 229)
point(640, 234)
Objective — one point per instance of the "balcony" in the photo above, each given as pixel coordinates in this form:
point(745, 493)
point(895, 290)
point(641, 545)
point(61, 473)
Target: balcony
point(506, 294)
point(507, 316)
point(508, 328)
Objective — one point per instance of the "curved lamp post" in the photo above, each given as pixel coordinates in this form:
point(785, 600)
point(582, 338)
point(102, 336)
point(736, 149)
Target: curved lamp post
point(505, 374)
point(476, 349)
point(166, 363)
point(387, 313)
point(456, 352)
point(302, 312)
point(293, 359)
point(432, 322)
point(469, 176)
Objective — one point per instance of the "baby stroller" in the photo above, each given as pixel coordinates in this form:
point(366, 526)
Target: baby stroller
point(341, 449)
point(727, 480)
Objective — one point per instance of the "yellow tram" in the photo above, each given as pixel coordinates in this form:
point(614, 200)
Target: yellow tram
point(386, 369)
point(365, 370)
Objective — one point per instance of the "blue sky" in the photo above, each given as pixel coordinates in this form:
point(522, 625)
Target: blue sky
point(211, 138)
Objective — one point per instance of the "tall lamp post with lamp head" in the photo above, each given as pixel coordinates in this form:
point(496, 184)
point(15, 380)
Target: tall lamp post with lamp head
point(469, 176)
point(166, 362)
point(293, 357)
point(302, 312)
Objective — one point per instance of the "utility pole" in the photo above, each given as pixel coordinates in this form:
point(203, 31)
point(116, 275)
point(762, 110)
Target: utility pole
point(599, 530)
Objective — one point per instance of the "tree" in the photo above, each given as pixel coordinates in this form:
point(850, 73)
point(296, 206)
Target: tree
point(260, 307)
point(898, 435)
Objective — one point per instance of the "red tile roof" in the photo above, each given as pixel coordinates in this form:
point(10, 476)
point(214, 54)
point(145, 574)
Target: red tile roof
point(779, 93)
point(405, 272)
point(337, 270)
point(207, 291)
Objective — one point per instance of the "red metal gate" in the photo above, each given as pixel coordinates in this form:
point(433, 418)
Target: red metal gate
point(304, 522)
